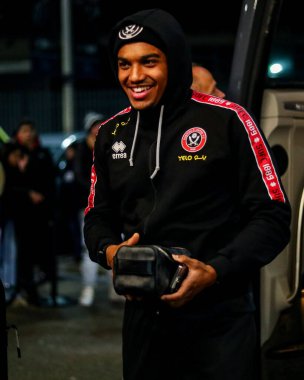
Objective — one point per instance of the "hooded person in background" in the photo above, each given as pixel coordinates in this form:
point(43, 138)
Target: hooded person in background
point(35, 235)
point(83, 159)
point(178, 168)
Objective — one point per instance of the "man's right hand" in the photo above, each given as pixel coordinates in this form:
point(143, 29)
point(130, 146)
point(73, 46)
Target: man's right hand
point(112, 249)
point(111, 252)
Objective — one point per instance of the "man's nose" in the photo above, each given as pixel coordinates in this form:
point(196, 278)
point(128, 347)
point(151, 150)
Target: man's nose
point(136, 73)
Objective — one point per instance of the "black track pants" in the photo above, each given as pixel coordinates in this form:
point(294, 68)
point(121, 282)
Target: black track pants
point(160, 346)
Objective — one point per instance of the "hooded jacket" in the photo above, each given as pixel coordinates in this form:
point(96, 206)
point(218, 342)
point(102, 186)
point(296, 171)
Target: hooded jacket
point(195, 171)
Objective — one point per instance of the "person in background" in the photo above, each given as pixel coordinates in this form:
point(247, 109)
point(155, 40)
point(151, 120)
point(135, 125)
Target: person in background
point(2, 219)
point(203, 81)
point(180, 168)
point(82, 165)
point(2, 183)
point(35, 237)
point(2, 178)
point(69, 205)
point(16, 273)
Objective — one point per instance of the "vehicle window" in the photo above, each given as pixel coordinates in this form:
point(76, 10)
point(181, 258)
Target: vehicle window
point(286, 63)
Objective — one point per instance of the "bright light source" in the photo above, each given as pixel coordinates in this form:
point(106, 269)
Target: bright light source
point(280, 67)
point(68, 141)
point(275, 68)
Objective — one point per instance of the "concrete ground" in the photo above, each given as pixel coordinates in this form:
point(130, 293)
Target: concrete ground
point(71, 342)
point(67, 341)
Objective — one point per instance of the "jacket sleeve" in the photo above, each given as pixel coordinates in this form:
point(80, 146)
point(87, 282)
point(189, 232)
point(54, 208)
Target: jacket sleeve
point(264, 208)
point(101, 223)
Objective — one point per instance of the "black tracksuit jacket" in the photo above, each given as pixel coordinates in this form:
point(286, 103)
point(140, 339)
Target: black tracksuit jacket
point(216, 191)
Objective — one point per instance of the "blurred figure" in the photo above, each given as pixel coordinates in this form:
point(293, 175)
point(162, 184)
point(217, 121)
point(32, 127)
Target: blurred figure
point(15, 275)
point(35, 236)
point(83, 164)
point(203, 81)
point(69, 205)
point(2, 178)
point(2, 182)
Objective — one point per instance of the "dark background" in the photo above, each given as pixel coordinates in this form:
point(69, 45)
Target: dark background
point(210, 29)
point(31, 79)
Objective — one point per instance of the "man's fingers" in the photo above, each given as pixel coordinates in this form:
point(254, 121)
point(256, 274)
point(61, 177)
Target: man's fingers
point(181, 258)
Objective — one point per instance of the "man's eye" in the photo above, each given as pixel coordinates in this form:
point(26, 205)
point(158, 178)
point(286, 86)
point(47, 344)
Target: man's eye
point(123, 65)
point(150, 62)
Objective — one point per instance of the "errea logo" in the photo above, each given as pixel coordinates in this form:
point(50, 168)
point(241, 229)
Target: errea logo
point(119, 148)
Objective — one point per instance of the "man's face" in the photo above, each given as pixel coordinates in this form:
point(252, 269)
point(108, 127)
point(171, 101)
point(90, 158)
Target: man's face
point(26, 135)
point(142, 73)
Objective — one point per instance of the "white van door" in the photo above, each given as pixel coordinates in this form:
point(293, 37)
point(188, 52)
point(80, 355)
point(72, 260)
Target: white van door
point(282, 120)
point(267, 78)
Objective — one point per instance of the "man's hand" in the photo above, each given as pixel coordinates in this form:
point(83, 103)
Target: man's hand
point(200, 276)
point(112, 249)
point(36, 197)
point(111, 252)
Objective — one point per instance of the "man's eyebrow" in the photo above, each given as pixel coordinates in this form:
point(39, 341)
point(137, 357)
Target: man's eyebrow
point(147, 56)
point(152, 55)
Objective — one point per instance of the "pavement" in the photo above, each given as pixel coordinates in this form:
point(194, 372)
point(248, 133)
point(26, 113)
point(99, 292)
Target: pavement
point(71, 342)
point(66, 341)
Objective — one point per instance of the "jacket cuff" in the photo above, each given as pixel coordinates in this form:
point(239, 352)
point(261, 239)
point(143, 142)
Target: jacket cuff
point(101, 256)
point(222, 266)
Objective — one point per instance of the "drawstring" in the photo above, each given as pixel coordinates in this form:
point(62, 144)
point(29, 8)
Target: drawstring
point(160, 122)
point(134, 139)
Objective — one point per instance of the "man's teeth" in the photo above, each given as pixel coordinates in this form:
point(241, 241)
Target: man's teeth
point(140, 89)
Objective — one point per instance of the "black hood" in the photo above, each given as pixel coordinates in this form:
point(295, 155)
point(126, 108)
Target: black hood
point(169, 32)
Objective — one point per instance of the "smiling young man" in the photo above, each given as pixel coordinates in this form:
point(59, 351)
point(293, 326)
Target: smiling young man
point(179, 168)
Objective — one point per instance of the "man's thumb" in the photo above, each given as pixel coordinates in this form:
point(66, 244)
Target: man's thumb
point(134, 239)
